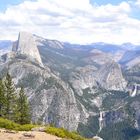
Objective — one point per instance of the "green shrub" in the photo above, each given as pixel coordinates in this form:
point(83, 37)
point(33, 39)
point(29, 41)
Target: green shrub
point(4, 123)
point(61, 132)
point(26, 127)
point(55, 131)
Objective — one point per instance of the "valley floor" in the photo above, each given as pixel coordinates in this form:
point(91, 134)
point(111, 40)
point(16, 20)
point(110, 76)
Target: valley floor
point(22, 135)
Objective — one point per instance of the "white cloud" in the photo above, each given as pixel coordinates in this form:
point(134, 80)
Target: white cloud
point(76, 21)
point(137, 2)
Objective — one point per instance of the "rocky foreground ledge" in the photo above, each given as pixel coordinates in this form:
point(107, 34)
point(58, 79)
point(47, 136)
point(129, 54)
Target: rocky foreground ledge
point(34, 134)
point(23, 135)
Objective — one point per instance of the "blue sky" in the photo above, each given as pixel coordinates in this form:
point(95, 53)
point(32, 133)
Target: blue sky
point(75, 21)
point(103, 2)
point(5, 3)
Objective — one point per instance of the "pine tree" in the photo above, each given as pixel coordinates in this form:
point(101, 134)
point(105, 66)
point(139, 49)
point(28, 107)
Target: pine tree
point(23, 114)
point(10, 98)
point(2, 98)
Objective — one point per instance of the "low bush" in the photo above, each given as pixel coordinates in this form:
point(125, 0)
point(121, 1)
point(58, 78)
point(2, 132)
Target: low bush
point(26, 127)
point(7, 124)
point(4, 123)
point(55, 131)
point(61, 132)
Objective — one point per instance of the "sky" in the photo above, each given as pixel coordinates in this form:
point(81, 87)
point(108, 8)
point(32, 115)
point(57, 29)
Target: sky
point(74, 21)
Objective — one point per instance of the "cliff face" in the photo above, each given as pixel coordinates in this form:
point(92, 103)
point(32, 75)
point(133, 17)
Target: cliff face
point(69, 86)
point(27, 45)
point(110, 77)
point(52, 100)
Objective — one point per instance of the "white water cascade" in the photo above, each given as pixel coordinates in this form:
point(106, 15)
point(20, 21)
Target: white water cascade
point(133, 94)
point(101, 121)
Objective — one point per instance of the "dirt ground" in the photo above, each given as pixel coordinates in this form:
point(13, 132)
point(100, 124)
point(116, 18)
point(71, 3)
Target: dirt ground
point(31, 135)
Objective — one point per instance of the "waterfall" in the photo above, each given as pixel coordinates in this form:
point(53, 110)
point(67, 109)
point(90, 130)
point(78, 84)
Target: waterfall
point(133, 94)
point(97, 138)
point(101, 120)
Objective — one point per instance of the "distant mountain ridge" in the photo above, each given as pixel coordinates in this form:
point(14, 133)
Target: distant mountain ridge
point(5, 46)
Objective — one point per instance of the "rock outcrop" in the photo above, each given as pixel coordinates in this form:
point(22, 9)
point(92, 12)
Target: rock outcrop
point(110, 77)
point(27, 45)
point(52, 101)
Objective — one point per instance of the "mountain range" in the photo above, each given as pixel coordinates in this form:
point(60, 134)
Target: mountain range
point(93, 89)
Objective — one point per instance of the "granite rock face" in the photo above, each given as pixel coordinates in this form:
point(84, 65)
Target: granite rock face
point(27, 45)
point(52, 101)
point(136, 106)
point(107, 76)
point(110, 77)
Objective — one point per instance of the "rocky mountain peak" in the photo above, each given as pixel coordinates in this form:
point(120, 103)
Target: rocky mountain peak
point(27, 45)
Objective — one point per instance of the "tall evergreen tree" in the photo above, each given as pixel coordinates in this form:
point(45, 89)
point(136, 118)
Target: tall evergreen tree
point(23, 114)
point(2, 98)
point(10, 98)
